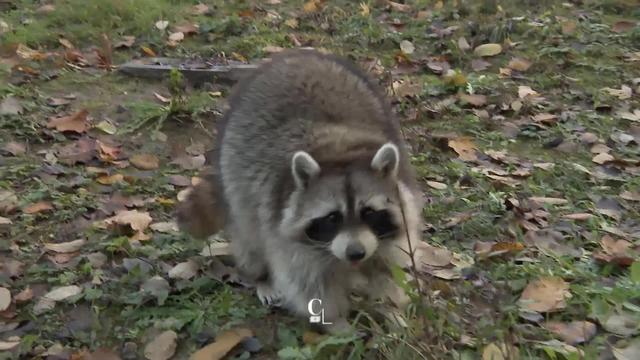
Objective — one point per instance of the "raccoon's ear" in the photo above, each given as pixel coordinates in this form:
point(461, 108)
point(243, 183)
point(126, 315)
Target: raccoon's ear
point(304, 168)
point(386, 160)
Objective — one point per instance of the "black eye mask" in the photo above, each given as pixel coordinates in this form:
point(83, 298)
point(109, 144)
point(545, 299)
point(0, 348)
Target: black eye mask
point(379, 221)
point(324, 229)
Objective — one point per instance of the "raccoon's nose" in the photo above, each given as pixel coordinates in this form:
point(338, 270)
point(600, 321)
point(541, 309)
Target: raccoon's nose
point(355, 252)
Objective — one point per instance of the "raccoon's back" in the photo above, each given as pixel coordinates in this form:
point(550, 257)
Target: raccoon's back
point(305, 100)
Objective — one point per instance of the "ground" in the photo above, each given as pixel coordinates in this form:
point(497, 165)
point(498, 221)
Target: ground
point(524, 124)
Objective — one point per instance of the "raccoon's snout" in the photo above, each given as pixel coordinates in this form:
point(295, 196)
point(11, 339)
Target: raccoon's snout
point(355, 252)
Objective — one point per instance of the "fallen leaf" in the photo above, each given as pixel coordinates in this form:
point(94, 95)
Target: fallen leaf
point(145, 161)
point(224, 342)
point(623, 26)
point(5, 298)
point(630, 195)
point(602, 158)
point(5, 222)
point(609, 207)
point(631, 116)
point(545, 118)
point(66, 43)
point(10, 343)
point(148, 51)
point(545, 294)
point(623, 323)
point(216, 248)
point(75, 123)
point(292, 23)
point(574, 332)
point(623, 93)
point(464, 147)
point(463, 45)
point(186, 29)
point(107, 152)
point(164, 227)
point(176, 36)
point(548, 200)
point(475, 100)
point(107, 127)
point(110, 179)
point(399, 7)
point(200, 9)
point(64, 292)
point(10, 106)
point(600, 148)
point(495, 352)
point(479, 65)
point(488, 50)
point(138, 221)
point(613, 251)
point(527, 92)
point(24, 295)
point(184, 270)
point(519, 64)
point(190, 162)
point(433, 256)
point(629, 351)
point(163, 347)
point(157, 287)
point(66, 247)
point(578, 216)
point(38, 207)
point(161, 24)
point(407, 47)
point(437, 185)
point(14, 148)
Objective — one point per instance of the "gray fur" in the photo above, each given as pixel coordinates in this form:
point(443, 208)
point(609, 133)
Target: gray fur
point(305, 135)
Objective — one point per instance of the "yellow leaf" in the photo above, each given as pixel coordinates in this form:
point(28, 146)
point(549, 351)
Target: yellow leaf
point(223, 344)
point(488, 50)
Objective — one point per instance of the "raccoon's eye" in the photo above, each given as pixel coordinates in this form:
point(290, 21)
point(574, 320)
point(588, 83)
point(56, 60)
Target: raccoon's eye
point(379, 221)
point(324, 229)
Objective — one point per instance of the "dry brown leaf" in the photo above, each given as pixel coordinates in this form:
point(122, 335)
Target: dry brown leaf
point(176, 36)
point(623, 93)
point(578, 216)
point(527, 92)
point(100, 354)
point(224, 342)
point(479, 65)
point(486, 50)
point(573, 333)
point(464, 147)
point(433, 256)
point(399, 7)
point(163, 347)
point(475, 100)
point(623, 26)
point(63, 292)
point(5, 298)
point(107, 152)
point(545, 118)
point(407, 47)
point(138, 221)
point(38, 207)
point(270, 49)
point(603, 158)
point(311, 6)
point(550, 241)
point(14, 148)
point(548, 200)
point(110, 179)
point(184, 270)
point(75, 123)
point(200, 9)
point(10, 343)
point(600, 148)
point(463, 45)
point(186, 29)
point(630, 195)
point(145, 161)
point(437, 185)
point(519, 64)
point(613, 251)
point(545, 294)
point(24, 295)
point(66, 247)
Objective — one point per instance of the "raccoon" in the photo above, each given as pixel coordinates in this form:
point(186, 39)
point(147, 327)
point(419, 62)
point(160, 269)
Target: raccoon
point(317, 186)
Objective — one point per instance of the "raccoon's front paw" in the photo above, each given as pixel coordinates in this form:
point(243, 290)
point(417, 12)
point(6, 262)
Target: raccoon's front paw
point(267, 295)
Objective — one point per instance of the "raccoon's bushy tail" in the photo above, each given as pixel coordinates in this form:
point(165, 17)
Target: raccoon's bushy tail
point(202, 213)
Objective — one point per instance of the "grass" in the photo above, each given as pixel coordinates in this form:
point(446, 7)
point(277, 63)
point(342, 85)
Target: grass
point(457, 318)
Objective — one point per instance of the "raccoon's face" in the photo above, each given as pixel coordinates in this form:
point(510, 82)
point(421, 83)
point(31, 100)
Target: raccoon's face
point(348, 214)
